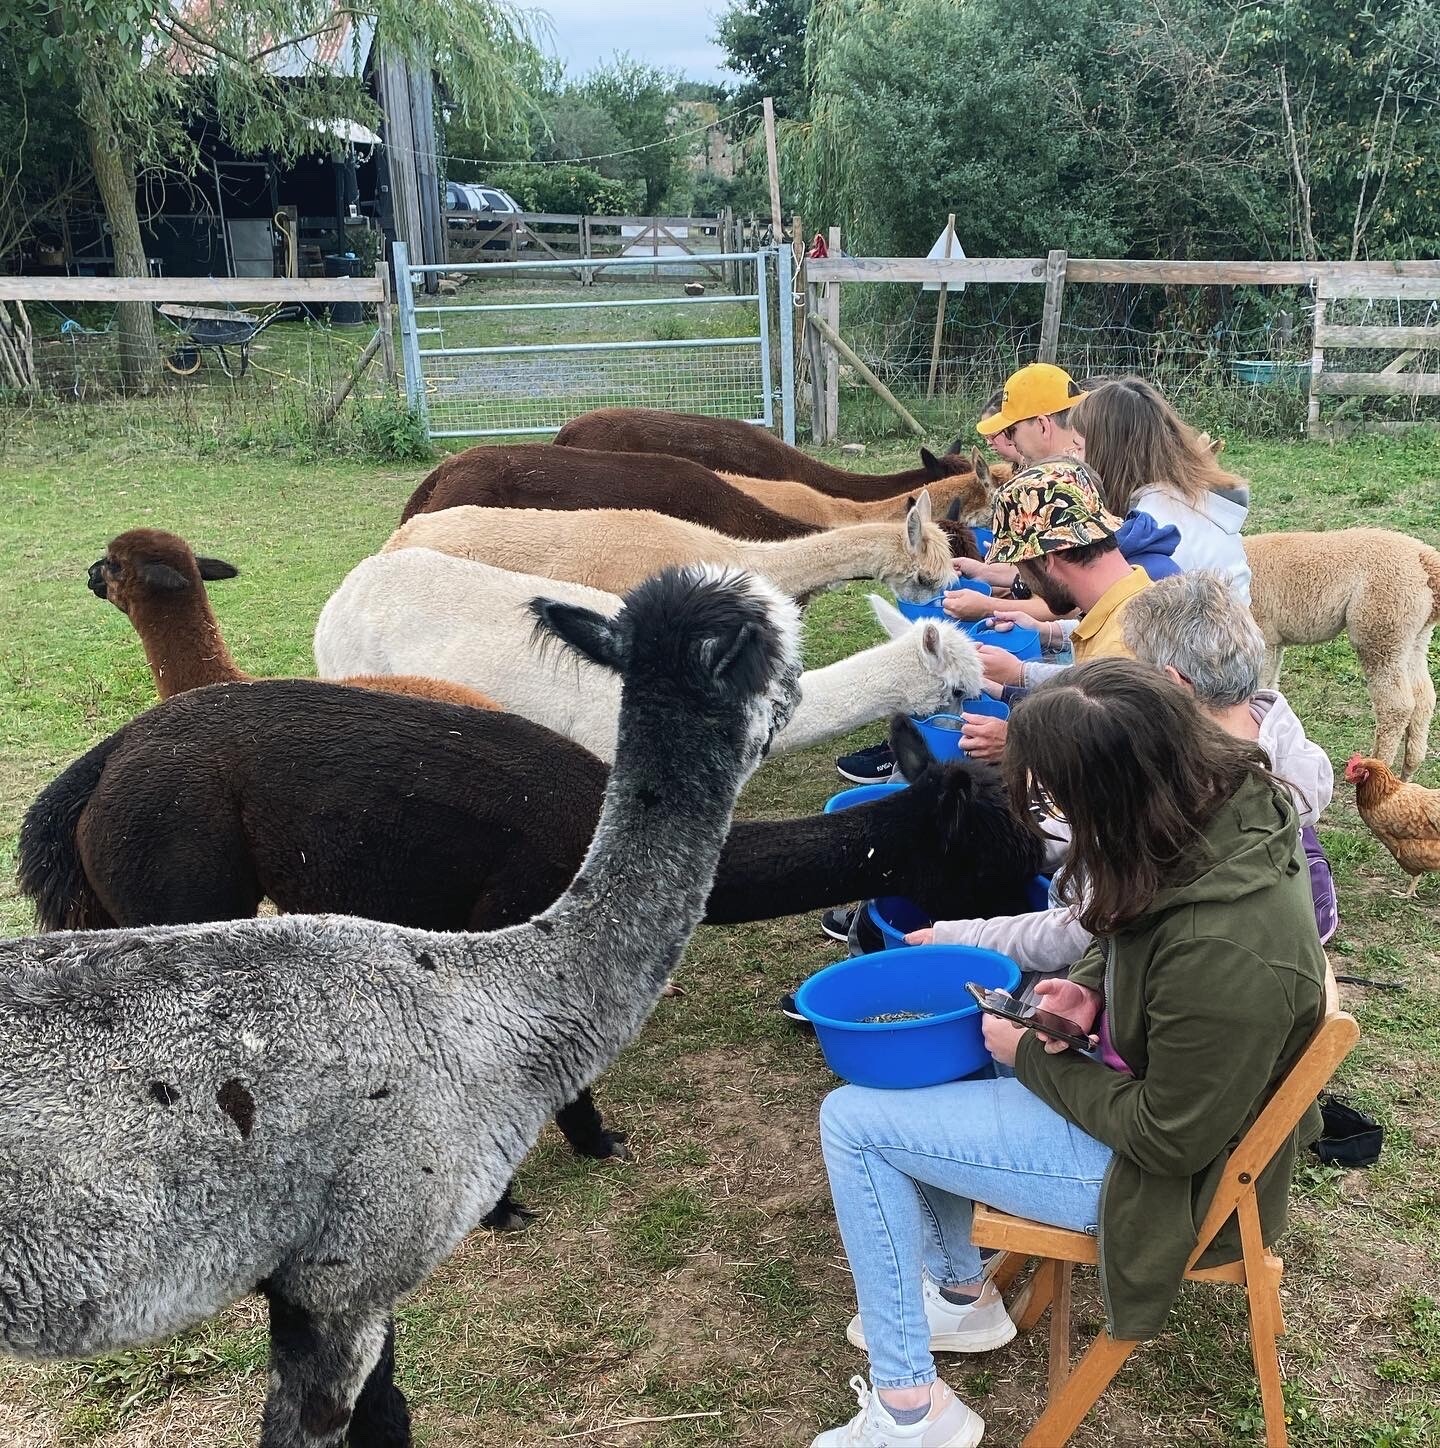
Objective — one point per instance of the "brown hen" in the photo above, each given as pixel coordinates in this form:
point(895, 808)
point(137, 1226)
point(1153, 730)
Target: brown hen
point(1404, 817)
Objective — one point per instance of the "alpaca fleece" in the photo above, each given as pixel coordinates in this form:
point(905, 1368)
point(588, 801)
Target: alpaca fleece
point(726, 446)
point(1381, 589)
point(612, 549)
point(540, 476)
point(416, 611)
point(325, 1106)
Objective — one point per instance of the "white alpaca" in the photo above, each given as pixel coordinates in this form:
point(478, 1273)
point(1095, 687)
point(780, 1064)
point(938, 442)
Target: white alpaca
point(617, 548)
point(428, 613)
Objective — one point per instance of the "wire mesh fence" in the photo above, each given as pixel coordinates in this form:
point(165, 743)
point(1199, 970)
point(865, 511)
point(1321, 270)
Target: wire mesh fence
point(523, 352)
point(1235, 358)
point(279, 389)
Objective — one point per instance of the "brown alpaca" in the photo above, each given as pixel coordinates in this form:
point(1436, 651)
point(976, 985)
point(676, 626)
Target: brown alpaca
point(1381, 589)
point(962, 497)
point(156, 581)
point(539, 475)
point(745, 450)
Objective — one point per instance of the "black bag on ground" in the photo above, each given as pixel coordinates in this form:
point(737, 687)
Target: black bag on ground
point(1350, 1138)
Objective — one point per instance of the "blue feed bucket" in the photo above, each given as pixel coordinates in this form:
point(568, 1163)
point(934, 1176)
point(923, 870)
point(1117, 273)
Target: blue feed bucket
point(984, 539)
point(895, 917)
point(944, 1046)
point(931, 607)
point(862, 794)
point(941, 732)
point(1020, 640)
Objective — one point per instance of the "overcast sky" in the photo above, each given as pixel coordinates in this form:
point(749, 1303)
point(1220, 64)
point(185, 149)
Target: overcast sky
point(670, 33)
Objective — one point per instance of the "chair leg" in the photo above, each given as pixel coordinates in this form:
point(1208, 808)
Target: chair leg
point(1042, 1291)
point(1077, 1394)
point(1265, 1321)
point(1060, 1328)
point(1009, 1269)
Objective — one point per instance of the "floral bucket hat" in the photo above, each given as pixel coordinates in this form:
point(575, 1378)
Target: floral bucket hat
point(1048, 508)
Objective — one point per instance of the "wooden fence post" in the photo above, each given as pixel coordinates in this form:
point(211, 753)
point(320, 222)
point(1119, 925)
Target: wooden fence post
point(831, 314)
point(815, 358)
point(384, 320)
point(1054, 294)
point(772, 165)
point(940, 311)
point(1317, 365)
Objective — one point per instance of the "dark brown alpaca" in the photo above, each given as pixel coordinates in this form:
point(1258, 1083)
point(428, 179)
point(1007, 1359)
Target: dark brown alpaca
point(155, 579)
point(744, 449)
point(542, 476)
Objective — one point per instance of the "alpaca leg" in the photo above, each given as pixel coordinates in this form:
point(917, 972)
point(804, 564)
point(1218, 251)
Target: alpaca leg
point(1274, 660)
point(382, 1416)
point(1392, 692)
point(319, 1364)
point(1417, 734)
point(508, 1215)
point(584, 1129)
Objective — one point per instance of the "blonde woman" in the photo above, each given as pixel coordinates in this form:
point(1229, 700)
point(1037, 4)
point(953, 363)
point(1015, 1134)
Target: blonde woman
point(1151, 461)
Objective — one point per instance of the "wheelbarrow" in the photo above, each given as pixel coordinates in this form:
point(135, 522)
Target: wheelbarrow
point(209, 327)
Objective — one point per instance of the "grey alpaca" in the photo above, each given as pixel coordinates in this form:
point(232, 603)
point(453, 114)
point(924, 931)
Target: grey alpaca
point(321, 1107)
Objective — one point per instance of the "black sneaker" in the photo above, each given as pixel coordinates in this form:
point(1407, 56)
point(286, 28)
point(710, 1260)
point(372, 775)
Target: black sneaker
point(791, 1013)
point(835, 922)
point(867, 766)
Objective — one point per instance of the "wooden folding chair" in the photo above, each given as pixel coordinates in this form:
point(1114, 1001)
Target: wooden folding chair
point(1073, 1393)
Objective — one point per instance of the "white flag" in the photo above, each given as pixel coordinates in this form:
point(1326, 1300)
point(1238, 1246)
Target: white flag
point(938, 253)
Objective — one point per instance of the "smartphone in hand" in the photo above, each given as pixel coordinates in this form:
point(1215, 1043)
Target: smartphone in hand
point(1001, 1003)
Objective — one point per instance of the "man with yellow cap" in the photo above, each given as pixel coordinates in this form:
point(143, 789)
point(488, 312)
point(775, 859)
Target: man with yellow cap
point(1034, 415)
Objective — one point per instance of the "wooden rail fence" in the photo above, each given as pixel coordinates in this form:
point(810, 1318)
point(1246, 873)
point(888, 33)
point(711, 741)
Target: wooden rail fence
point(1398, 280)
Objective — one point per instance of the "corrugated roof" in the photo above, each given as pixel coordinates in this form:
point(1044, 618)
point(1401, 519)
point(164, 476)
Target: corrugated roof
point(341, 48)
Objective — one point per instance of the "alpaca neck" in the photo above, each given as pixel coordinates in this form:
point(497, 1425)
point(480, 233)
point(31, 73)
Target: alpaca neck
point(183, 647)
point(605, 949)
point(772, 868)
point(844, 695)
point(802, 566)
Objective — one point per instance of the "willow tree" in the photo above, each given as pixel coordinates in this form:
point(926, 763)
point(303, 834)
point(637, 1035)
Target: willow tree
point(271, 73)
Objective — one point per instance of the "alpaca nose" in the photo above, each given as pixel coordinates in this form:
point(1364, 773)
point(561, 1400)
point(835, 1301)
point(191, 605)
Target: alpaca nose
point(97, 578)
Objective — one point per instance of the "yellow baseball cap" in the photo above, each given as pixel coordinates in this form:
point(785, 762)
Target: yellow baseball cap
point(1034, 391)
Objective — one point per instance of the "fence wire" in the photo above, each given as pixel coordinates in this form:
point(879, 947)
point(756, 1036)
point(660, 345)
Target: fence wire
point(679, 351)
point(1234, 358)
point(294, 371)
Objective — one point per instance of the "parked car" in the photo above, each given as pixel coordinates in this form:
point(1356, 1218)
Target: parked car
point(480, 205)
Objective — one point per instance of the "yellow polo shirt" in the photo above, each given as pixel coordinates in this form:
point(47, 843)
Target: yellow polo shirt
point(1098, 635)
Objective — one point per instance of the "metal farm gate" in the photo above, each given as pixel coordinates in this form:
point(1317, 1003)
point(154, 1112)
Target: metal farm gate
point(554, 339)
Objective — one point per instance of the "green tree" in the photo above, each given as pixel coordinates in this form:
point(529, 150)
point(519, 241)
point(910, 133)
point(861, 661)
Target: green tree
point(1354, 120)
point(640, 100)
point(764, 41)
point(135, 71)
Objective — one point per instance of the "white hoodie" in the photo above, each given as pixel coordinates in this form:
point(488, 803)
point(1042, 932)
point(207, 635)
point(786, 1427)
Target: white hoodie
point(1209, 535)
point(1047, 941)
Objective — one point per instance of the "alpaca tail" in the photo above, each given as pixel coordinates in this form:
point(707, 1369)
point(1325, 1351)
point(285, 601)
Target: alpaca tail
point(50, 871)
point(1430, 562)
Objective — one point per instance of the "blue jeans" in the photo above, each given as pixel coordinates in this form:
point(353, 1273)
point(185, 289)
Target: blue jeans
point(905, 1167)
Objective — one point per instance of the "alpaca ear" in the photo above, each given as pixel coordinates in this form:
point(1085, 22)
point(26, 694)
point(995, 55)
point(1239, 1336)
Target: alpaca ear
point(912, 758)
point(952, 513)
point(932, 465)
point(956, 448)
point(915, 521)
point(590, 634)
point(981, 467)
point(213, 568)
point(162, 578)
point(888, 616)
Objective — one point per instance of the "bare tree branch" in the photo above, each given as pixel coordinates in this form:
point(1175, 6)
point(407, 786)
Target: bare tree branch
point(1302, 182)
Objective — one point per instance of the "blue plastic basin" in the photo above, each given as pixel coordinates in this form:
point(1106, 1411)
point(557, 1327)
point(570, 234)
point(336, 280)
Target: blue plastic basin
point(941, 732)
point(931, 978)
point(862, 794)
point(895, 917)
point(984, 539)
point(931, 607)
point(1019, 639)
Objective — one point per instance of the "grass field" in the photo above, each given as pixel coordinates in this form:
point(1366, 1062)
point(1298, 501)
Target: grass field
point(703, 1283)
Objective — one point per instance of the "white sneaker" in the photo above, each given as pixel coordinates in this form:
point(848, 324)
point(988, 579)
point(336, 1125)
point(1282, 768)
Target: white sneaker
point(979, 1326)
point(948, 1424)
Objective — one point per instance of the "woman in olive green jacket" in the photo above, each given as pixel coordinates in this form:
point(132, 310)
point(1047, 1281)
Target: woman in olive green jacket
point(1205, 983)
